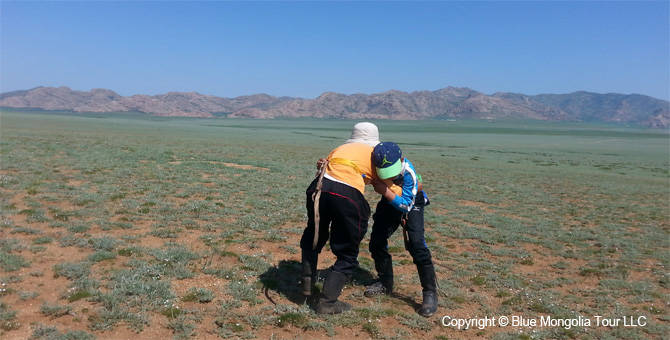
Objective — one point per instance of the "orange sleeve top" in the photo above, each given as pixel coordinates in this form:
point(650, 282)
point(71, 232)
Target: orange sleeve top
point(351, 164)
point(394, 188)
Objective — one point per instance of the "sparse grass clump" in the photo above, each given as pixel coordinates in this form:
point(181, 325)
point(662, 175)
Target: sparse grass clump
point(102, 255)
point(181, 328)
point(9, 261)
point(82, 294)
point(72, 270)
point(244, 291)
point(172, 312)
point(106, 243)
point(292, 318)
point(51, 333)
point(143, 284)
point(478, 280)
point(372, 329)
point(174, 260)
point(8, 318)
point(55, 311)
point(12, 262)
point(201, 295)
point(125, 252)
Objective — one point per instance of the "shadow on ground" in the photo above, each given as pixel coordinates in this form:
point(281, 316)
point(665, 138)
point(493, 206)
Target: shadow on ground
point(284, 279)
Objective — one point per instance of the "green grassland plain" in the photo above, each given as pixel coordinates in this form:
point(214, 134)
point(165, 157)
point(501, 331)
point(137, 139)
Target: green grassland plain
point(178, 228)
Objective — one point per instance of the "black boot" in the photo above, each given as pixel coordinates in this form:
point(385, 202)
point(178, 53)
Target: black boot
point(429, 284)
point(385, 283)
point(309, 261)
point(332, 288)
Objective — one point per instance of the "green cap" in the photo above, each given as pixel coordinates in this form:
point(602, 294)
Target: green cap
point(386, 157)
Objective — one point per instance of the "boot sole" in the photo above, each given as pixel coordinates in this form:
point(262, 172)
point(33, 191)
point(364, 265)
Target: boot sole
point(427, 315)
point(338, 308)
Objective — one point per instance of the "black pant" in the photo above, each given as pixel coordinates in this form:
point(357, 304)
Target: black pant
point(386, 222)
point(349, 212)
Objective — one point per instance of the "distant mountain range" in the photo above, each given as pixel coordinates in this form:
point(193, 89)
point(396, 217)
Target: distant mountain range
point(446, 103)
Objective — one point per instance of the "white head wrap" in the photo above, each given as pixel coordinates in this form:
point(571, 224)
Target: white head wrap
point(365, 133)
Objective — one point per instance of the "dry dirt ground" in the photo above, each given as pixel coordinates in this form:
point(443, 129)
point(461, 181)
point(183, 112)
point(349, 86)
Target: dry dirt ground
point(40, 277)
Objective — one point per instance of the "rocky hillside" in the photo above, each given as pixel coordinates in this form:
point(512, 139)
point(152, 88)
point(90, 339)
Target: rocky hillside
point(189, 104)
point(447, 103)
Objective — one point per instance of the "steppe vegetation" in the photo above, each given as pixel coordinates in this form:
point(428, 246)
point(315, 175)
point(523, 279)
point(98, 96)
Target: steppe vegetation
point(113, 225)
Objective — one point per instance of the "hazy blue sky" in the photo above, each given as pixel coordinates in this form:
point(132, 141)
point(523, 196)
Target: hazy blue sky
point(303, 49)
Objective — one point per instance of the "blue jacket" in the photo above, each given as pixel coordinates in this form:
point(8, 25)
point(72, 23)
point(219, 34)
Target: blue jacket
point(410, 188)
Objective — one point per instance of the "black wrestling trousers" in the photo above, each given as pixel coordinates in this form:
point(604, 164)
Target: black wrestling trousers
point(346, 211)
point(386, 222)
